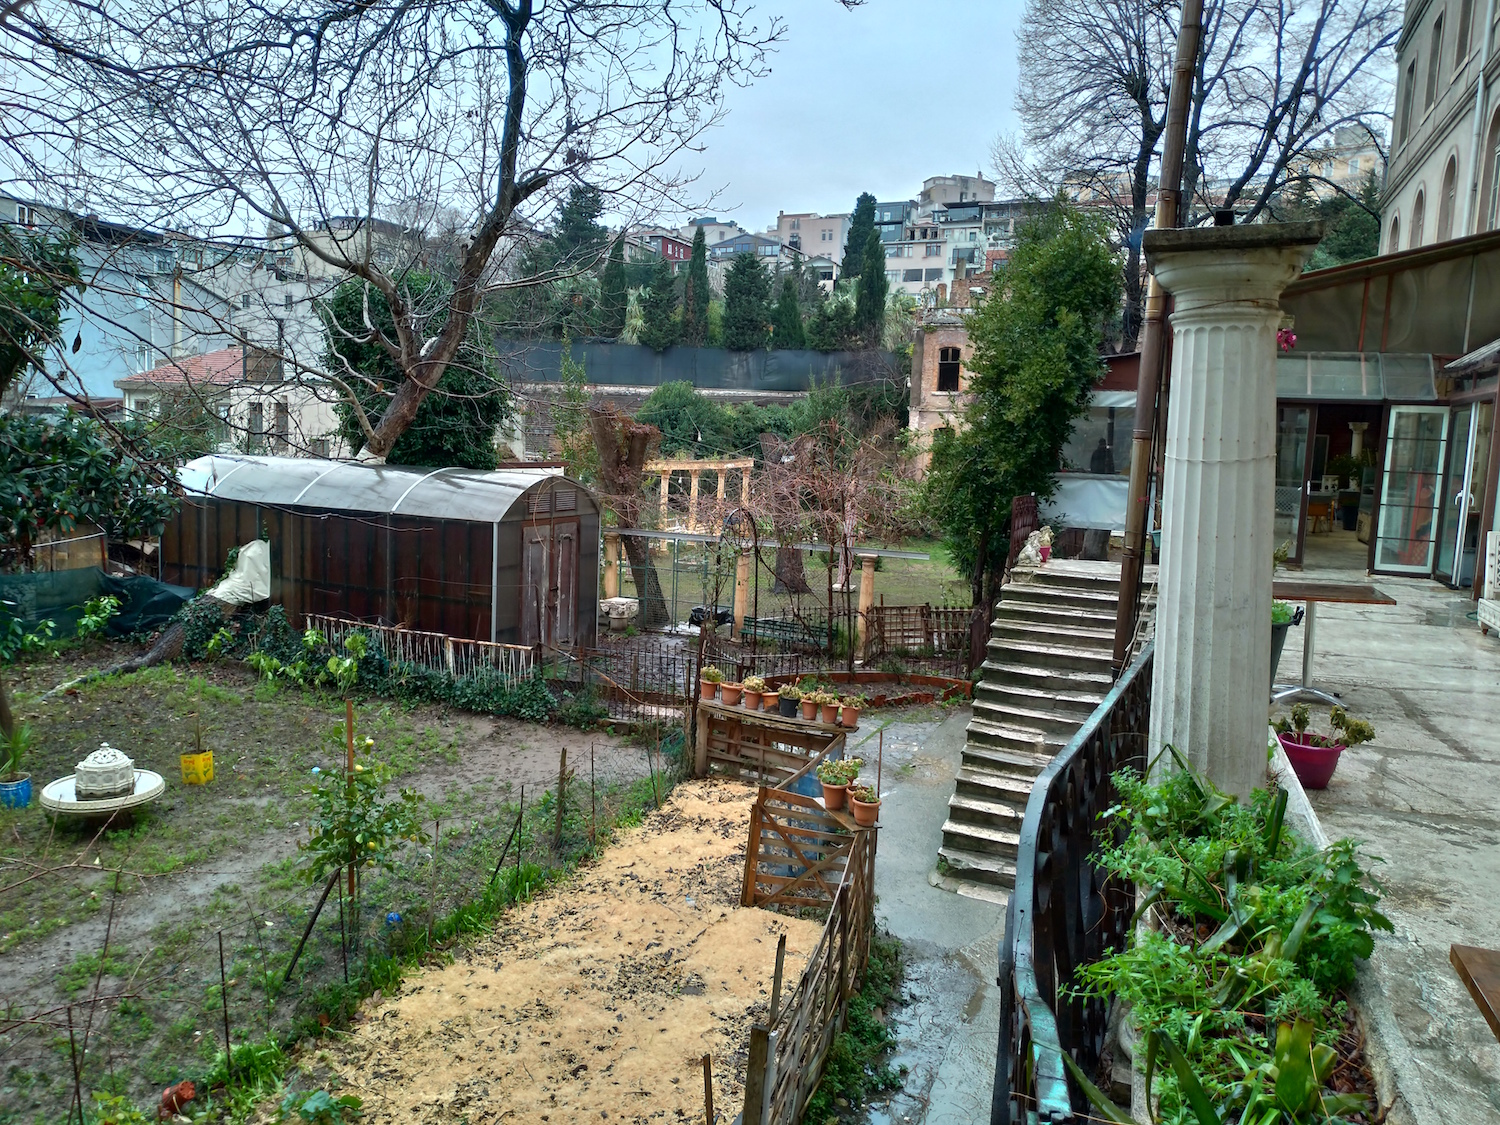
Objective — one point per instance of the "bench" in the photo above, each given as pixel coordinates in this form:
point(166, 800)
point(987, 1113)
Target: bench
point(783, 631)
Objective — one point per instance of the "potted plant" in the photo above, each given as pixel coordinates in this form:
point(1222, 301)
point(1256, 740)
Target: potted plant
point(850, 709)
point(836, 775)
point(809, 705)
point(828, 703)
point(790, 699)
point(1314, 756)
point(708, 682)
point(730, 693)
point(15, 786)
point(864, 802)
point(1283, 617)
point(771, 700)
point(197, 765)
point(755, 687)
point(1045, 543)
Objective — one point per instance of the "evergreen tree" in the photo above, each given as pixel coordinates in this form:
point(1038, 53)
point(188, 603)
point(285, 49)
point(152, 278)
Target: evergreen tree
point(747, 305)
point(696, 295)
point(831, 325)
point(578, 232)
point(861, 226)
point(658, 308)
point(869, 305)
point(612, 297)
point(786, 322)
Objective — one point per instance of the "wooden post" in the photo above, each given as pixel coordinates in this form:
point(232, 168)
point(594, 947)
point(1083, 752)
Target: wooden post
point(708, 1088)
point(700, 747)
point(692, 520)
point(866, 603)
point(723, 473)
point(562, 785)
point(752, 851)
point(744, 488)
point(741, 590)
point(437, 829)
point(349, 772)
point(224, 996)
point(757, 1072)
point(593, 802)
point(776, 981)
point(611, 564)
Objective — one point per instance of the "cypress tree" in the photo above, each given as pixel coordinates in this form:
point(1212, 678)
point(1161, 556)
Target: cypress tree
point(613, 300)
point(786, 322)
point(695, 294)
point(861, 225)
point(869, 306)
point(659, 327)
point(747, 305)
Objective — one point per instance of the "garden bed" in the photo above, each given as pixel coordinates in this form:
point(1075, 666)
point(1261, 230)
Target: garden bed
point(598, 1000)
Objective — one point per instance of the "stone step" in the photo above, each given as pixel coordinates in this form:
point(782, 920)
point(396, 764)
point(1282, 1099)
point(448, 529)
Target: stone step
point(1074, 597)
point(1061, 574)
point(1051, 633)
point(1079, 704)
point(1011, 650)
point(981, 868)
point(1039, 677)
point(991, 814)
point(1051, 725)
point(999, 730)
point(995, 788)
point(982, 839)
point(1019, 764)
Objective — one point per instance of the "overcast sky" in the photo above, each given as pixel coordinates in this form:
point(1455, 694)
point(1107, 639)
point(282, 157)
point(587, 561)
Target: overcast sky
point(874, 99)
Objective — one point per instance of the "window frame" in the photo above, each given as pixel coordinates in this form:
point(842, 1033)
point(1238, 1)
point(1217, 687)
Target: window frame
point(950, 370)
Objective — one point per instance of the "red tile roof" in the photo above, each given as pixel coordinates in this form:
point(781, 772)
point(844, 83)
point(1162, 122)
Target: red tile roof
point(214, 369)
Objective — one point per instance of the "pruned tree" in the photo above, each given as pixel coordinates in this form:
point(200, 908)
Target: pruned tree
point(624, 445)
point(747, 304)
point(319, 121)
point(1273, 82)
point(659, 327)
point(869, 303)
point(861, 226)
point(786, 318)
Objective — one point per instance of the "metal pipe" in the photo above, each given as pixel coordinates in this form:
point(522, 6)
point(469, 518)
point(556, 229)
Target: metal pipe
point(1148, 382)
point(1476, 158)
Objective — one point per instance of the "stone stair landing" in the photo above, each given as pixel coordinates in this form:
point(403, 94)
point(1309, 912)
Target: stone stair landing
point(1047, 666)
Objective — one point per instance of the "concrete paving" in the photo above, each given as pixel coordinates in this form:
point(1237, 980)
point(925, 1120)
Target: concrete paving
point(947, 1031)
point(1424, 797)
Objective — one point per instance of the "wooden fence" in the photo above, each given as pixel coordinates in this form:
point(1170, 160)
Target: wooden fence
point(787, 1052)
point(458, 656)
point(918, 629)
point(760, 747)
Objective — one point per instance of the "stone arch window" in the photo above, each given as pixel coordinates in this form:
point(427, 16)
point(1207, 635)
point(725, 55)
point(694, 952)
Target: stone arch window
point(1418, 214)
point(1395, 243)
point(1434, 63)
point(949, 363)
point(1462, 33)
point(1447, 202)
point(1491, 170)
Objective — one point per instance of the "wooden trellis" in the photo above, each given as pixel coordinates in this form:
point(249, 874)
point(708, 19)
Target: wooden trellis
point(798, 851)
point(759, 747)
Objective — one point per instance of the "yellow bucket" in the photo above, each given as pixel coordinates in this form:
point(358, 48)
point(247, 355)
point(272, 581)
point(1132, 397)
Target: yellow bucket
point(198, 769)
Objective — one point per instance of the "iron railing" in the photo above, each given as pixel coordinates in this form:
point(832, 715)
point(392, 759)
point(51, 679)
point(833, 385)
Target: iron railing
point(1065, 912)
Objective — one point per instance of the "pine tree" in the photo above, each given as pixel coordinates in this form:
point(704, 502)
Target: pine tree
point(786, 321)
point(695, 295)
point(612, 297)
point(659, 325)
point(747, 305)
point(861, 226)
point(869, 306)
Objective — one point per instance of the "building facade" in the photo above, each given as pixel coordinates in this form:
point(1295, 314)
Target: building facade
point(810, 233)
point(939, 378)
point(1445, 154)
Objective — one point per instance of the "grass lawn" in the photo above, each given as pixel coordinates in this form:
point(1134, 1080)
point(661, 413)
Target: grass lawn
point(223, 860)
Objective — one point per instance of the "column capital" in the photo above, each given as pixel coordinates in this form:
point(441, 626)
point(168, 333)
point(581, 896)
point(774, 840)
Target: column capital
point(1223, 271)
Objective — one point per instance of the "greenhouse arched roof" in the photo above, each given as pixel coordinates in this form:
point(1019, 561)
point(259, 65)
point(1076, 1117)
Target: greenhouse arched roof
point(482, 496)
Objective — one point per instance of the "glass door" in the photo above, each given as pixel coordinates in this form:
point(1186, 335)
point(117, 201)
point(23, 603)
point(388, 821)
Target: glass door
point(1468, 466)
point(1294, 427)
point(1411, 489)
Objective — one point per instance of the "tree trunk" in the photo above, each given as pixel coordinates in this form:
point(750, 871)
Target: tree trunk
point(647, 585)
point(791, 577)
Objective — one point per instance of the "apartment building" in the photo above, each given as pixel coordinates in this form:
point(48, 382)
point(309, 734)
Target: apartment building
point(810, 233)
point(1443, 180)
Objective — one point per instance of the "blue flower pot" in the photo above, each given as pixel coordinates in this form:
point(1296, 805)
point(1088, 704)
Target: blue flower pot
point(16, 794)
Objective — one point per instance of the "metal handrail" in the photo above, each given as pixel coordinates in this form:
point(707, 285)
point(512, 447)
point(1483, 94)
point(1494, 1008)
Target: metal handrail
point(1066, 911)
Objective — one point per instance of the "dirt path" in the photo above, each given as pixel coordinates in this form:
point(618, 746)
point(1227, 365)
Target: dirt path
point(597, 1001)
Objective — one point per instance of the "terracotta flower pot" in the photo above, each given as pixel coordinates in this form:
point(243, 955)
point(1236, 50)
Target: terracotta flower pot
point(850, 716)
point(809, 708)
point(866, 813)
point(833, 795)
point(708, 688)
point(830, 713)
point(771, 701)
point(730, 694)
point(752, 700)
point(1313, 764)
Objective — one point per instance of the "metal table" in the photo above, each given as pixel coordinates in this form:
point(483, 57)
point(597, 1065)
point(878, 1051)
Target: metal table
point(1311, 593)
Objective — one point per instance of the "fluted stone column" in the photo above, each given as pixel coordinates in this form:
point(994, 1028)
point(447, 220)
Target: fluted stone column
point(1213, 618)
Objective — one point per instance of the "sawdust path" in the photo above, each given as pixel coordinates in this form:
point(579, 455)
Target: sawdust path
point(597, 1001)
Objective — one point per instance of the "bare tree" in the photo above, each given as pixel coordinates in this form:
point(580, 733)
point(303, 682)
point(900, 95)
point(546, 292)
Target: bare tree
point(1274, 80)
point(320, 122)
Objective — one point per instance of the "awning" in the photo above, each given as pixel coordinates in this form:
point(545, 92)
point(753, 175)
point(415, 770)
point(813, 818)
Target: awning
point(1355, 377)
point(1479, 357)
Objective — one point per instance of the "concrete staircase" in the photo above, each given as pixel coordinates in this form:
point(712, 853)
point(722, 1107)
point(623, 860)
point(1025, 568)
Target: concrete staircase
point(1047, 668)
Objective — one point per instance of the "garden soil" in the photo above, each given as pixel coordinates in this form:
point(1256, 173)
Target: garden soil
point(598, 1000)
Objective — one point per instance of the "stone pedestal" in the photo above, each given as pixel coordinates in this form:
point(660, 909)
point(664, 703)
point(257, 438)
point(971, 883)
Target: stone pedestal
point(1213, 621)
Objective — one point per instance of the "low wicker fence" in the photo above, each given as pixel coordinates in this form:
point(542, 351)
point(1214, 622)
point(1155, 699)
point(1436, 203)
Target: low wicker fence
point(460, 657)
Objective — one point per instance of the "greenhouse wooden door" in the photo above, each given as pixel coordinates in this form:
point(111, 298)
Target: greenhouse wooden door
point(549, 583)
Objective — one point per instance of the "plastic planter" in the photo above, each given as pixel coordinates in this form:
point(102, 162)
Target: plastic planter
point(16, 794)
point(1314, 765)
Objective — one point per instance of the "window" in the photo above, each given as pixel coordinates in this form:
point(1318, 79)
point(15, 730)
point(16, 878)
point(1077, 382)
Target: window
point(288, 300)
point(1100, 442)
point(142, 357)
point(893, 276)
point(1418, 213)
point(244, 300)
point(973, 236)
point(796, 224)
point(1408, 88)
point(934, 274)
point(827, 236)
point(318, 447)
point(283, 426)
point(1447, 200)
point(1395, 242)
point(825, 275)
point(1492, 175)
point(911, 275)
point(1462, 33)
point(1434, 63)
point(934, 249)
point(257, 425)
point(795, 242)
point(949, 365)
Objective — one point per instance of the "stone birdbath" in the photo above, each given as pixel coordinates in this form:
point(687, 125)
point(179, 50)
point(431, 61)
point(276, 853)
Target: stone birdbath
point(104, 784)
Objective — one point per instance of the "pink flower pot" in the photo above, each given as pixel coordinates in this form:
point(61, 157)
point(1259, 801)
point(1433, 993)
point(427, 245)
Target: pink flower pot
point(1312, 763)
point(1046, 553)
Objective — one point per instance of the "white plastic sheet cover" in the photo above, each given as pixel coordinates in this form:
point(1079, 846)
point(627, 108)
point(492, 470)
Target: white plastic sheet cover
point(250, 580)
point(1083, 500)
